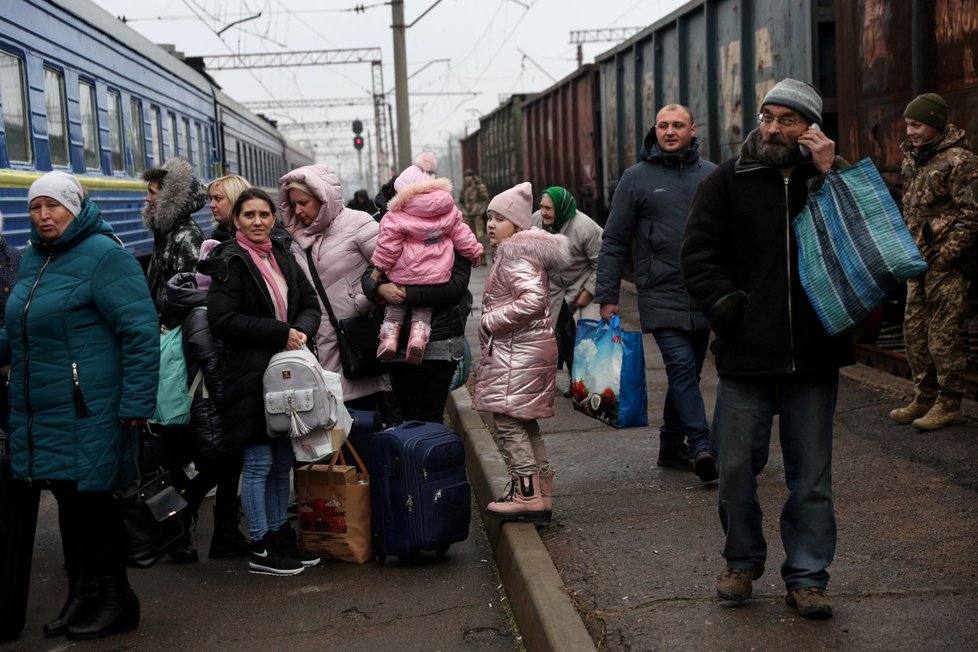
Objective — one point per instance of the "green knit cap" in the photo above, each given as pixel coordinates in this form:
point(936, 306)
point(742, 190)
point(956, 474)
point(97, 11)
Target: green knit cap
point(565, 207)
point(929, 108)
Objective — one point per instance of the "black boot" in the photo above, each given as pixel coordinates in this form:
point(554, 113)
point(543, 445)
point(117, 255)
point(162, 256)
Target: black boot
point(227, 540)
point(184, 552)
point(83, 590)
point(118, 608)
point(288, 545)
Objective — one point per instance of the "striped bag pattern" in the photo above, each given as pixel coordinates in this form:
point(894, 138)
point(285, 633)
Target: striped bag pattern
point(853, 246)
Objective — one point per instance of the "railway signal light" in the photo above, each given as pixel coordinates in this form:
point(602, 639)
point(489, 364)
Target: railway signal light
point(358, 142)
point(357, 127)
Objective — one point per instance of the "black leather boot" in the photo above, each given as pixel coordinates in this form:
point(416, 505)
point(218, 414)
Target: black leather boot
point(118, 608)
point(227, 540)
point(83, 589)
point(184, 552)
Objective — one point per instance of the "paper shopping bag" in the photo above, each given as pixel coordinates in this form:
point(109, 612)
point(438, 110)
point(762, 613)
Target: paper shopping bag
point(334, 509)
point(608, 378)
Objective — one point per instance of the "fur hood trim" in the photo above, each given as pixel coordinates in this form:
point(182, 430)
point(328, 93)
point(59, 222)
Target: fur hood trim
point(550, 250)
point(401, 198)
point(181, 195)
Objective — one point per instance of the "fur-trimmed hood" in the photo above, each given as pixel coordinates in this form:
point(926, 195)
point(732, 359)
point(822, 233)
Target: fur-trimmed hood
point(325, 186)
point(550, 250)
point(424, 199)
point(181, 195)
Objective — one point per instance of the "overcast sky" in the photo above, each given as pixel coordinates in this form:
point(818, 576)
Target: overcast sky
point(493, 48)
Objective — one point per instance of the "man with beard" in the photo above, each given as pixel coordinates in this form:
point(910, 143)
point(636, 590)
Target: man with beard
point(740, 261)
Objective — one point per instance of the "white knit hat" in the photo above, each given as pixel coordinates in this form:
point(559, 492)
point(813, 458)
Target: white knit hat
point(515, 204)
point(62, 187)
point(422, 170)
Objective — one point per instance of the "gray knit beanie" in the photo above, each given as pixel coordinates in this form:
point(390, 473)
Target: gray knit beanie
point(798, 95)
point(60, 186)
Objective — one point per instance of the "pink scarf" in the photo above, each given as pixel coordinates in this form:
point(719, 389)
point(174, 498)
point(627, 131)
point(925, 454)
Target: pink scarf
point(260, 252)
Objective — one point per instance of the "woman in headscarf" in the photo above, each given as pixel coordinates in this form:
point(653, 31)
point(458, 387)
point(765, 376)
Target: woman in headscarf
point(571, 286)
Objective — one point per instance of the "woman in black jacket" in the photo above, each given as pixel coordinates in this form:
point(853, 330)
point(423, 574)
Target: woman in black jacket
point(259, 303)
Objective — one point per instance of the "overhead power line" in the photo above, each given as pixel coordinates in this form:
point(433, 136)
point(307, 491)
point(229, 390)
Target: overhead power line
point(290, 59)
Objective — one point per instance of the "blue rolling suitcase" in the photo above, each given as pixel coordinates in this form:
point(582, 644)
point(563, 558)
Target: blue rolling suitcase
point(420, 494)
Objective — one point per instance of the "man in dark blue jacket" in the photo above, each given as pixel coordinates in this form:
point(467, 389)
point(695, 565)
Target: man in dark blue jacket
point(648, 215)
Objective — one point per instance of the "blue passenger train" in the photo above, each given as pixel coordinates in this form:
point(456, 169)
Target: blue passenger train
point(81, 91)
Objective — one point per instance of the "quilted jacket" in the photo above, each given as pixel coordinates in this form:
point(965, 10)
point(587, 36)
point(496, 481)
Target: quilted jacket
point(84, 346)
point(342, 241)
point(519, 354)
point(420, 233)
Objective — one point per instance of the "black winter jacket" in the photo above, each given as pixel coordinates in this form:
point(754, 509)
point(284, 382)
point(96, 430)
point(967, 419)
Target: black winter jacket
point(740, 264)
point(445, 299)
point(240, 312)
point(648, 214)
point(186, 304)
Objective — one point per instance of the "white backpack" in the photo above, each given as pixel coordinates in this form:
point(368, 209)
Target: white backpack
point(297, 400)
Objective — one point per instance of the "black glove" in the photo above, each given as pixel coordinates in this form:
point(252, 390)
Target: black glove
point(726, 314)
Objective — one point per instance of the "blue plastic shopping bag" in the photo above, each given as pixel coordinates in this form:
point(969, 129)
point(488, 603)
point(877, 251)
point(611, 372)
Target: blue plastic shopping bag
point(608, 378)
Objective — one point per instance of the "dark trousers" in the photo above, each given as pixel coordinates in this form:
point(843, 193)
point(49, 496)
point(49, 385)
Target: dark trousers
point(422, 390)
point(91, 522)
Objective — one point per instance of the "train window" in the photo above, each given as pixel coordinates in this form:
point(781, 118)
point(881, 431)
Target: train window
point(13, 98)
point(156, 135)
point(189, 151)
point(201, 154)
point(89, 124)
point(138, 137)
point(54, 104)
point(115, 131)
point(173, 134)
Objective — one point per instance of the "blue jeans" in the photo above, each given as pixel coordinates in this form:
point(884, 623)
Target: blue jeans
point(742, 422)
point(265, 486)
point(683, 415)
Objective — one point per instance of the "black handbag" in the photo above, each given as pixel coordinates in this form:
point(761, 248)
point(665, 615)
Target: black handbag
point(357, 338)
point(150, 504)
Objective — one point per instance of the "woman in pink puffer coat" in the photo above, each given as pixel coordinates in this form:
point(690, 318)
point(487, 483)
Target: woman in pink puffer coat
point(419, 236)
point(515, 381)
point(342, 240)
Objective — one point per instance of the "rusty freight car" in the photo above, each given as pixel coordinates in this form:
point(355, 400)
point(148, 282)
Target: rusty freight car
point(501, 144)
point(560, 128)
point(719, 57)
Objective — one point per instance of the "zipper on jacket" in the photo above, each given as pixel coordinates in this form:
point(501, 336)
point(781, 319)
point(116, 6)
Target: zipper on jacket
point(80, 409)
point(27, 376)
point(787, 246)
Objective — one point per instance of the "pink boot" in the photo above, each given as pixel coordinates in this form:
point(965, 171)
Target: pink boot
point(389, 332)
point(417, 342)
point(547, 490)
point(523, 503)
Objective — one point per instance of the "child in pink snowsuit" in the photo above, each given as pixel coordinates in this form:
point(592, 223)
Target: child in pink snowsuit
point(418, 238)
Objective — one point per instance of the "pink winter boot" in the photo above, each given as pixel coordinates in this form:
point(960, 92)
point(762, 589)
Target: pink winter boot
point(389, 332)
point(546, 479)
point(524, 501)
point(417, 342)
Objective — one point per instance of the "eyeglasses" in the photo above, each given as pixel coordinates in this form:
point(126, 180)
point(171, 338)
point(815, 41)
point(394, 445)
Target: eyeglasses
point(789, 121)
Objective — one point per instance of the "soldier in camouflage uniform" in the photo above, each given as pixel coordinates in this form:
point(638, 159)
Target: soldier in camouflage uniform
point(472, 201)
point(940, 206)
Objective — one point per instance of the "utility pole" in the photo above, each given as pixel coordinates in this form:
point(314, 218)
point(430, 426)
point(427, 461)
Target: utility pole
point(401, 85)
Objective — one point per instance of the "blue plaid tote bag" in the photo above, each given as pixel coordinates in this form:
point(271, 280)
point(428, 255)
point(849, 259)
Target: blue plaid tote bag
point(853, 246)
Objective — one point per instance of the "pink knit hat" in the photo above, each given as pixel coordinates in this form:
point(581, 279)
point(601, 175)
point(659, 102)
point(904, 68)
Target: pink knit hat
point(422, 170)
point(515, 204)
point(206, 247)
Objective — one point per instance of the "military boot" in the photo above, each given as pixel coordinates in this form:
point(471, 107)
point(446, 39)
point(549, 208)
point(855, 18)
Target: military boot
point(943, 413)
point(918, 408)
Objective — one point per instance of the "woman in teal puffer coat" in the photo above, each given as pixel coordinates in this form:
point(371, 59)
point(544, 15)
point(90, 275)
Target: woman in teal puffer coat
point(82, 341)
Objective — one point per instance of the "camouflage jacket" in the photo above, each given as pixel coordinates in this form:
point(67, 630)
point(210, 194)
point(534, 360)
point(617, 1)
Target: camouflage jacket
point(474, 198)
point(940, 199)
